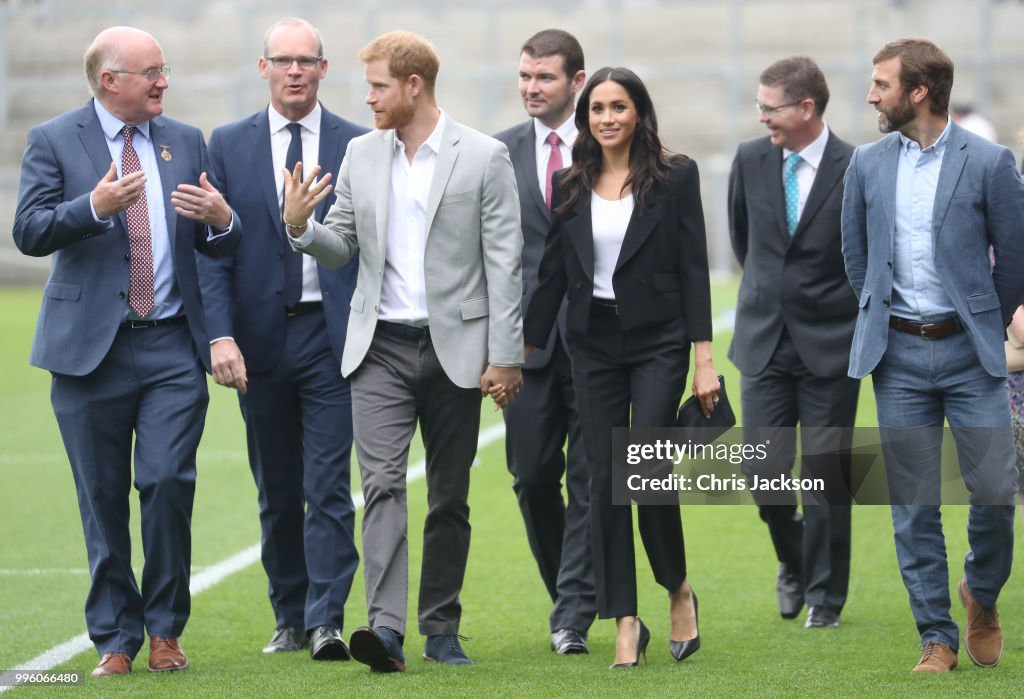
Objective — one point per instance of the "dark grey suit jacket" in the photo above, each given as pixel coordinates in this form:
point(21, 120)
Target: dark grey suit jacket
point(797, 283)
point(536, 220)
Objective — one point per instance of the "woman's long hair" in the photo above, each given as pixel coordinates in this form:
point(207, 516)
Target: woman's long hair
point(649, 162)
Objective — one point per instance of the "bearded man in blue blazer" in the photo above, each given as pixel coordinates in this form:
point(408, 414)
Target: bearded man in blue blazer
point(277, 324)
point(933, 239)
point(117, 195)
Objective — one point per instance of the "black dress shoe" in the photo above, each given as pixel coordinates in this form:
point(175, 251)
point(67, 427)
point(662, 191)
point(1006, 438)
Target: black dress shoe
point(380, 648)
point(821, 617)
point(681, 650)
point(286, 639)
point(789, 588)
point(326, 643)
point(641, 648)
point(569, 642)
point(445, 649)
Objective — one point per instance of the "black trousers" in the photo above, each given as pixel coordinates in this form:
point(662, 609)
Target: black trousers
point(774, 402)
point(632, 379)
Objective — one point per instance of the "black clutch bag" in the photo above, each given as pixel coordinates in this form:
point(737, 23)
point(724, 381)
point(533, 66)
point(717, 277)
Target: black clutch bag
point(705, 430)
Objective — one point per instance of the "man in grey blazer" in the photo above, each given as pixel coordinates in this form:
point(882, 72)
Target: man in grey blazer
point(544, 416)
point(117, 196)
point(794, 322)
point(922, 209)
point(430, 207)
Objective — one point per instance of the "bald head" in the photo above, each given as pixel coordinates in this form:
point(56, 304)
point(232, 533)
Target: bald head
point(110, 47)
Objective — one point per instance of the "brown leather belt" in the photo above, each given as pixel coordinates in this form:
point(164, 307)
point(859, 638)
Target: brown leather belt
point(928, 331)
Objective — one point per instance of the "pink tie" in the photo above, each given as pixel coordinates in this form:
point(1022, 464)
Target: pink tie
point(554, 165)
point(140, 279)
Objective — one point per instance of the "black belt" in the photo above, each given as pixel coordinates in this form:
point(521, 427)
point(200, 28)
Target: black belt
point(604, 307)
point(928, 331)
point(403, 330)
point(304, 308)
point(140, 324)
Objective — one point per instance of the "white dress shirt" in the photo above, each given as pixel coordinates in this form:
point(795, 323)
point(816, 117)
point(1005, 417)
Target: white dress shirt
point(280, 139)
point(403, 296)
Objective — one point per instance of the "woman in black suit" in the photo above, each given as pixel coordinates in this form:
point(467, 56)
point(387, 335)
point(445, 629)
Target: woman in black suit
point(627, 244)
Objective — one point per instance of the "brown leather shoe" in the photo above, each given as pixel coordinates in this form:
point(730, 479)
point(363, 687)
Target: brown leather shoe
point(113, 664)
point(937, 657)
point(983, 637)
point(165, 655)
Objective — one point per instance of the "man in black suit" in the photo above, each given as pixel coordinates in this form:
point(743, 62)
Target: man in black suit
point(544, 414)
point(277, 322)
point(794, 326)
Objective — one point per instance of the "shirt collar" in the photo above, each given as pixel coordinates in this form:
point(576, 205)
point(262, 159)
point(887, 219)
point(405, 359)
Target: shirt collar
point(433, 141)
point(279, 121)
point(566, 131)
point(112, 126)
point(939, 147)
point(813, 152)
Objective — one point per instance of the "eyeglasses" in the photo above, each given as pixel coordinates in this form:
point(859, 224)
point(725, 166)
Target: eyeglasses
point(762, 109)
point(285, 62)
point(152, 75)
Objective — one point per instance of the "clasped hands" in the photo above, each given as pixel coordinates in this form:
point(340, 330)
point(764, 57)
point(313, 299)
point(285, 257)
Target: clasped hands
point(203, 203)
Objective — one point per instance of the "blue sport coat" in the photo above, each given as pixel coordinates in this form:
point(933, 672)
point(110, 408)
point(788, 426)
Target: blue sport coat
point(86, 297)
point(979, 202)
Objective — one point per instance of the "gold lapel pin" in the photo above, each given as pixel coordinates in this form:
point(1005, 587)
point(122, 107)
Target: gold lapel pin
point(165, 152)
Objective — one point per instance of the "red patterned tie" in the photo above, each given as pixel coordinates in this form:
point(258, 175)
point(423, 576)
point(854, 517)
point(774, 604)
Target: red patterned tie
point(554, 165)
point(140, 281)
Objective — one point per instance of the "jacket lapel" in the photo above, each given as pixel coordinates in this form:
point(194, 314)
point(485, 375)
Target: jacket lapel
point(329, 157)
point(771, 171)
point(825, 179)
point(443, 169)
point(581, 233)
point(263, 159)
point(382, 189)
point(641, 223)
point(886, 169)
point(524, 160)
point(953, 161)
point(93, 139)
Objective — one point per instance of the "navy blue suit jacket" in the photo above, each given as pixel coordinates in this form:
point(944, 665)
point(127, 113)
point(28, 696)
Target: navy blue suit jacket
point(244, 292)
point(86, 297)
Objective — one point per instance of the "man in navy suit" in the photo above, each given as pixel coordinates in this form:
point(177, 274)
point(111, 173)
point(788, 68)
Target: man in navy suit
point(277, 323)
point(118, 196)
point(544, 417)
point(922, 208)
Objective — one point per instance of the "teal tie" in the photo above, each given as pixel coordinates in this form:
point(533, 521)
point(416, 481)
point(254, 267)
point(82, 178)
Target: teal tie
point(792, 192)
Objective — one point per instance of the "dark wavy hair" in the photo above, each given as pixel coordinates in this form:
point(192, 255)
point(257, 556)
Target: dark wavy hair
point(649, 162)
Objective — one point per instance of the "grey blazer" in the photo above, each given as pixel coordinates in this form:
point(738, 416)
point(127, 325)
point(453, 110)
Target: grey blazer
point(979, 202)
point(473, 252)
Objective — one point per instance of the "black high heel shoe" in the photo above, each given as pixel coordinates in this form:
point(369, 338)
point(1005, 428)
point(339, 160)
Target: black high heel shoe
point(681, 650)
point(641, 648)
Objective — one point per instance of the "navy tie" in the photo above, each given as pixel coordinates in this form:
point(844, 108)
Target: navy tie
point(292, 259)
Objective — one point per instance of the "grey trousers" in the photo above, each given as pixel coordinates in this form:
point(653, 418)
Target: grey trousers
point(400, 382)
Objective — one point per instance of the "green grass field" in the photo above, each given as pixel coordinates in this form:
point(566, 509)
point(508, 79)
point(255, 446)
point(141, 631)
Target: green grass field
point(747, 649)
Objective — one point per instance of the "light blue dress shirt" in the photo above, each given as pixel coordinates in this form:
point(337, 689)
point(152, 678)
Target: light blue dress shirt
point(918, 293)
point(167, 297)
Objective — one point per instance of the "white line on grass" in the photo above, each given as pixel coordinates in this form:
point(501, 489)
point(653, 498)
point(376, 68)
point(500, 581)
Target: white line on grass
point(63, 652)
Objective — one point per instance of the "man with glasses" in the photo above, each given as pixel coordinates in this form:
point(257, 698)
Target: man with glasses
point(794, 324)
point(277, 320)
point(118, 196)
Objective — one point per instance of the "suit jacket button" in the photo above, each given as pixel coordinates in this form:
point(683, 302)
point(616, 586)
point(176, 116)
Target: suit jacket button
point(120, 295)
point(579, 285)
point(643, 280)
point(885, 302)
point(889, 263)
point(127, 257)
point(278, 294)
point(376, 309)
point(280, 256)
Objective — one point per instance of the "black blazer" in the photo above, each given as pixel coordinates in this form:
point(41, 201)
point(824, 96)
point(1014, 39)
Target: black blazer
point(661, 274)
point(799, 282)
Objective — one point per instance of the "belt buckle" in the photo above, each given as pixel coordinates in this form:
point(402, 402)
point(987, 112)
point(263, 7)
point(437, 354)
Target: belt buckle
point(926, 328)
point(138, 324)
